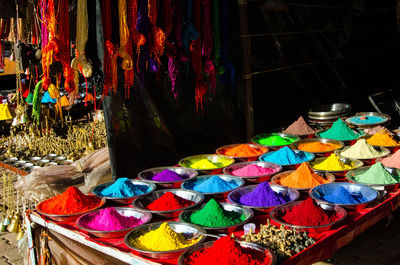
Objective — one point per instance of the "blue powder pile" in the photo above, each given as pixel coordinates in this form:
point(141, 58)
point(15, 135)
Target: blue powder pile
point(342, 196)
point(47, 99)
point(286, 156)
point(123, 187)
point(263, 196)
point(214, 184)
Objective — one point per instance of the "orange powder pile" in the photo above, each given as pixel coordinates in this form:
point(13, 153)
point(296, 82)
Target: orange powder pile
point(244, 150)
point(302, 178)
point(317, 147)
point(382, 138)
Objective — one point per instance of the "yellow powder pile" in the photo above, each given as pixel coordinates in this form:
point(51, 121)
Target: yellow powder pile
point(382, 138)
point(333, 163)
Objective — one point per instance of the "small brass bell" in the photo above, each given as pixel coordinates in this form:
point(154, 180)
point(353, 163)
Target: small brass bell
point(15, 224)
point(20, 233)
point(5, 223)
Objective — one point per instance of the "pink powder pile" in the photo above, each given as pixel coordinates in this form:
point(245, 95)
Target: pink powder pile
point(393, 160)
point(252, 171)
point(109, 219)
point(376, 129)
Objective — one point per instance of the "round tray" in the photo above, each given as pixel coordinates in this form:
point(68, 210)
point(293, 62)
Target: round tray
point(222, 150)
point(377, 114)
point(125, 211)
point(340, 173)
point(188, 185)
point(256, 179)
point(235, 195)
point(330, 109)
point(326, 175)
point(142, 202)
point(368, 161)
point(282, 135)
point(350, 177)
point(124, 200)
point(185, 217)
point(67, 217)
point(340, 144)
point(147, 175)
point(276, 216)
point(185, 162)
point(369, 193)
point(188, 230)
point(183, 258)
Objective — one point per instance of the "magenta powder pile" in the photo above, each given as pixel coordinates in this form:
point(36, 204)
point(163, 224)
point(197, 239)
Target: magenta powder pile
point(299, 127)
point(252, 171)
point(167, 175)
point(109, 219)
point(393, 160)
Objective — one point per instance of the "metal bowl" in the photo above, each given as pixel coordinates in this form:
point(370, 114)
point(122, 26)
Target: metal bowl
point(255, 179)
point(141, 203)
point(340, 145)
point(257, 138)
point(222, 160)
point(124, 211)
point(318, 192)
point(340, 173)
point(188, 231)
point(189, 185)
point(186, 173)
point(234, 196)
point(222, 150)
point(346, 142)
point(248, 213)
point(386, 118)
point(350, 177)
point(184, 257)
point(67, 217)
point(277, 213)
point(308, 157)
point(124, 200)
point(330, 109)
point(366, 161)
point(326, 175)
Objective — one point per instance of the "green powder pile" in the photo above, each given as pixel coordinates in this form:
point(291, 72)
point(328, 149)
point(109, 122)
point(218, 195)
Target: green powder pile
point(340, 131)
point(213, 215)
point(275, 140)
point(377, 174)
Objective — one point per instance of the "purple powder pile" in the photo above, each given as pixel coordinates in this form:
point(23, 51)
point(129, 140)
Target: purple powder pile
point(263, 196)
point(167, 175)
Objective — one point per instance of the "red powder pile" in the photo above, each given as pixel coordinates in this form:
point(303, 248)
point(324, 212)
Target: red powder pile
point(226, 251)
point(69, 202)
point(169, 201)
point(308, 213)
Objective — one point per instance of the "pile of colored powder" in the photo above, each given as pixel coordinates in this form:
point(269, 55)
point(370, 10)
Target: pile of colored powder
point(377, 174)
point(367, 119)
point(302, 178)
point(252, 170)
point(245, 150)
point(5, 113)
point(214, 184)
point(69, 202)
point(226, 251)
point(317, 147)
point(299, 127)
point(340, 131)
point(308, 213)
point(48, 99)
point(123, 187)
point(109, 219)
point(263, 196)
point(64, 101)
point(361, 149)
point(275, 140)
point(286, 156)
point(393, 160)
point(162, 239)
point(375, 129)
point(343, 196)
point(167, 175)
point(203, 164)
point(169, 201)
point(382, 138)
point(29, 98)
point(333, 163)
point(214, 215)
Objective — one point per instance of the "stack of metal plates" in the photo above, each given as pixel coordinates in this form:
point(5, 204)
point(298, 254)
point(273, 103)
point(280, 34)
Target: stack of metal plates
point(325, 115)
